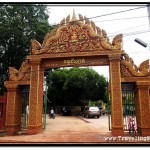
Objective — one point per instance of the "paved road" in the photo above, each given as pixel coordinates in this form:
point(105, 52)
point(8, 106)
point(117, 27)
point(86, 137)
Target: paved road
point(65, 129)
point(98, 123)
point(77, 123)
point(68, 130)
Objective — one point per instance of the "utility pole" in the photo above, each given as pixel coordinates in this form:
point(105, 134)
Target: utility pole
point(148, 10)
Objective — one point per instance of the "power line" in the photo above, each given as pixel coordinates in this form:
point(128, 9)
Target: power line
point(105, 15)
point(136, 52)
point(125, 34)
point(127, 29)
point(135, 33)
point(117, 12)
point(123, 19)
point(115, 19)
point(132, 33)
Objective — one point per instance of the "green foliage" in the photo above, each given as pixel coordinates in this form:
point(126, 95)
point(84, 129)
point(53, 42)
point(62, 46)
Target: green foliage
point(56, 80)
point(19, 24)
point(76, 86)
point(96, 103)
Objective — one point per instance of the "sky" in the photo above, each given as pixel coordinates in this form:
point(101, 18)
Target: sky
point(132, 24)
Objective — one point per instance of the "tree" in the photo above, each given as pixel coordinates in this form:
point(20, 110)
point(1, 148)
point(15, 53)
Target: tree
point(75, 86)
point(19, 24)
point(85, 84)
point(55, 81)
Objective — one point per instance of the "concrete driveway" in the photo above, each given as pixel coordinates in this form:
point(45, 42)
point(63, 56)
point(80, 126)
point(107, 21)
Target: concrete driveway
point(65, 129)
point(69, 130)
point(77, 124)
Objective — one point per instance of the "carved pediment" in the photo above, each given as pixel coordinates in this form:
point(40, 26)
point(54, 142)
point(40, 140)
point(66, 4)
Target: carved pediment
point(76, 35)
point(129, 69)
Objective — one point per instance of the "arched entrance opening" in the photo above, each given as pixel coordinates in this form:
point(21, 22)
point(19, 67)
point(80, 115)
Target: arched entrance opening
point(81, 43)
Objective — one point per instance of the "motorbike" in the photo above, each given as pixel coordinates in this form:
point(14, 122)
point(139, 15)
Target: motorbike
point(52, 115)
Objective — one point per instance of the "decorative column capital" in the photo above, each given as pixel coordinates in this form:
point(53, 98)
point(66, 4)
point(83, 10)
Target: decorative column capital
point(142, 84)
point(10, 86)
point(114, 57)
point(35, 60)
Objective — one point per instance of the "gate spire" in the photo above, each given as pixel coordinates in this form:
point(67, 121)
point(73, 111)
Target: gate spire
point(74, 15)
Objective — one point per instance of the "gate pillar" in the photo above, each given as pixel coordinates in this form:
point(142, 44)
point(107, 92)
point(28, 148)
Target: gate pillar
point(35, 98)
point(116, 96)
point(143, 108)
point(13, 109)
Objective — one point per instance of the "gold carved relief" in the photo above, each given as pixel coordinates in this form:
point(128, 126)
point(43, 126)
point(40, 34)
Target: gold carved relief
point(79, 31)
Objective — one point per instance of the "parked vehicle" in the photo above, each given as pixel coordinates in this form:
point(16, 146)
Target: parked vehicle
point(91, 112)
point(66, 111)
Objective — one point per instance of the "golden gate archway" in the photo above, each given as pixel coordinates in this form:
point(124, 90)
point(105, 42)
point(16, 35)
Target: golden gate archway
point(77, 42)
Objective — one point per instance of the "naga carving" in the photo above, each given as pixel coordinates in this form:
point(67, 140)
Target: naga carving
point(129, 69)
point(117, 41)
point(22, 74)
point(83, 32)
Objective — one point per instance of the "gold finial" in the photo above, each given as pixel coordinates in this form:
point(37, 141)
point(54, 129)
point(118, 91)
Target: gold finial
point(74, 15)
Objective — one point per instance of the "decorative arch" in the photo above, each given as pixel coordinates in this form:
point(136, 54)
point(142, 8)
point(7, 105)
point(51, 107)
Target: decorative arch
point(77, 42)
point(76, 36)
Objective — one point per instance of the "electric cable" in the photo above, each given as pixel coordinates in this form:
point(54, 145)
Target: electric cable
point(119, 31)
point(122, 19)
point(117, 12)
point(131, 33)
point(104, 15)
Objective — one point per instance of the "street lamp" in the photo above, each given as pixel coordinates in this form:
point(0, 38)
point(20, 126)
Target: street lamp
point(141, 42)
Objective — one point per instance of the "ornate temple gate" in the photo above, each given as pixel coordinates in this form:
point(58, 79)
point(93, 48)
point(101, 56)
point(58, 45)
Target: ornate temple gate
point(77, 43)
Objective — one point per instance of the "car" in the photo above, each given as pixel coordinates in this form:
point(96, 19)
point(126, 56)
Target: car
point(91, 112)
point(66, 111)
